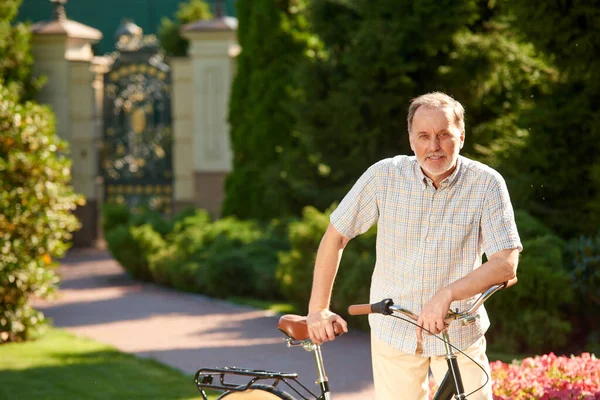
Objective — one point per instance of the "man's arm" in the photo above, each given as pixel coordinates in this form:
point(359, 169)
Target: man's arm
point(500, 267)
point(320, 319)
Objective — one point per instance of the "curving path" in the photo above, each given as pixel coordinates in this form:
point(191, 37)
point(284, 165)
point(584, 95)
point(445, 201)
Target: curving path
point(188, 331)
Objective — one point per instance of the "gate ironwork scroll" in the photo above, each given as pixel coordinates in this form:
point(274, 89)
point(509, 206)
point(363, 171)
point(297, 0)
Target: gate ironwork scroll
point(137, 147)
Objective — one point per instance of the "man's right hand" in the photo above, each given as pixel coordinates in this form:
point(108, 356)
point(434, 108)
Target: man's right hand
point(320, 325)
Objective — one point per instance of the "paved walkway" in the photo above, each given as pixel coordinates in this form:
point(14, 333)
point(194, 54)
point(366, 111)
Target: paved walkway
point(186, 331)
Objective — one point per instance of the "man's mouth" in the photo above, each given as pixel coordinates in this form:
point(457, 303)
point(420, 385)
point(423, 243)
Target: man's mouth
point(435, 158)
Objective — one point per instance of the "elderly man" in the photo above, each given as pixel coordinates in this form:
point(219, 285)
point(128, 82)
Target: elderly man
point(437, 213)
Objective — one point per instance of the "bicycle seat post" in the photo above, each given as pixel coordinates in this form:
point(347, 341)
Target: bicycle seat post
point(322, 380)
point(453, 369)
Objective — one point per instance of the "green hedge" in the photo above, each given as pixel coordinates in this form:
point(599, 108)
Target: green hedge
point(222, 258)
point(523, 315)
point(583, 254)
point(540, 299)
point(230, 257)
point(352, 283)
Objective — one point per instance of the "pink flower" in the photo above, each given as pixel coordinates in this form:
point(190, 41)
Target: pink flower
point(546, 377)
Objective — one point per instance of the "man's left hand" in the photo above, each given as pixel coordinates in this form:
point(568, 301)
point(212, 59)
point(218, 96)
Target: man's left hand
point(433, 314)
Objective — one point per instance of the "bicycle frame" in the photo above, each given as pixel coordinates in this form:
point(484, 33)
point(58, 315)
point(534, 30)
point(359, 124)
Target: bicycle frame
point(450, 388)
point(452, 385)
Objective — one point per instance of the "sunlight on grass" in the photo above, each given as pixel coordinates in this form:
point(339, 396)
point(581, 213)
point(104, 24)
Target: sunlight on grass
point(278, 307)
point(62, 366)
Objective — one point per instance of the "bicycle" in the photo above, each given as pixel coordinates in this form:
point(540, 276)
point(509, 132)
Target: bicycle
point(295, 329)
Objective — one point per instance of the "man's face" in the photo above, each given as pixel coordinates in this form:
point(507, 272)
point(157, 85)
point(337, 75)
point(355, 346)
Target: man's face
point(436, 141)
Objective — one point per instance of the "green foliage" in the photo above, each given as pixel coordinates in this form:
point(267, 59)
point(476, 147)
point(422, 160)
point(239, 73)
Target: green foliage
point(127, 251)
point(540, 298)
point(584, 268)
point(15, 53)
point(168, 32)
point(134, 238)
point(557, 180)
point(36, 222)
point(223, 258)
point(566, 30)
point(372, 58)
point(530, 227)
point(295, 271)
point(271, 35)
point(215, 256)
point(585, 259)
point(114, 215)
point(234, 269)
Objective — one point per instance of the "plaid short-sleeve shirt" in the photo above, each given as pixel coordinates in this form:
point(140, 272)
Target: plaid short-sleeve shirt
point(427, 239)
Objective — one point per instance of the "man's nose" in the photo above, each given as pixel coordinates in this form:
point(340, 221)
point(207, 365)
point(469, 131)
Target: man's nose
point(434, 143)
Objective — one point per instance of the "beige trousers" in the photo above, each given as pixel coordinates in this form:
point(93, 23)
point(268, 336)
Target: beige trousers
point(401, 376)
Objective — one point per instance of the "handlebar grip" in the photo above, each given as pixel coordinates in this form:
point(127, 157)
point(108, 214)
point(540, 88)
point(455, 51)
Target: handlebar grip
point(383, 307)
point(359, 309)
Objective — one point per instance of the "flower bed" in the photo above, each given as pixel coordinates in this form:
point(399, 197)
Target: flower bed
point(548, 377)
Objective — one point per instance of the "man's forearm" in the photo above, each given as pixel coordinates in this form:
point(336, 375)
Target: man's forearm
point(327, 262)
point(501, 267)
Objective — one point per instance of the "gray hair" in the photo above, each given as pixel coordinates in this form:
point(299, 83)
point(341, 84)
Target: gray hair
point(437, 100)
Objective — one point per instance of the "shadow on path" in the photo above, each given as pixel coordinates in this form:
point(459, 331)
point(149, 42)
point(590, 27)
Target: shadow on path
point(188, 331)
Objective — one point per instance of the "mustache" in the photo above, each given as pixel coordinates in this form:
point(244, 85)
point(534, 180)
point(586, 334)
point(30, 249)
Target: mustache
point(438, 154)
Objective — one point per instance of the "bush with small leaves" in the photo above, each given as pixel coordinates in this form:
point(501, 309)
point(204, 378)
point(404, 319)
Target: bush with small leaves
point(36, 221)
point(295, 271)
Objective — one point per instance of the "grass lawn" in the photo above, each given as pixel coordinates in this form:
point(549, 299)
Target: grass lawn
point(61, 366)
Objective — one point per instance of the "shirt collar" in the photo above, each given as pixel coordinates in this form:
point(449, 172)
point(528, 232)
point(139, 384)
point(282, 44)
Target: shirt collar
point(446, 183)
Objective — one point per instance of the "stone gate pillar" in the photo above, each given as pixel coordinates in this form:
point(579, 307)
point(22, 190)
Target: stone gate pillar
point(202, 150)
point(62, 52)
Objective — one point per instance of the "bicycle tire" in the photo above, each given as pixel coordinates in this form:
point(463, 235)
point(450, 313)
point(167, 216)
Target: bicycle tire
point(258, 392)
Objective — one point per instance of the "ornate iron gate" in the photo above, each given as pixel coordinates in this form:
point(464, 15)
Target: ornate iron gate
point(137, 148)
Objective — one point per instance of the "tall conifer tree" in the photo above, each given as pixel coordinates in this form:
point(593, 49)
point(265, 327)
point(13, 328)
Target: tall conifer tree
point(272, 43)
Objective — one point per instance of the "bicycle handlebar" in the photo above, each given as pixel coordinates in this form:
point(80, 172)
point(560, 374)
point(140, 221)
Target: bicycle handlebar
point(387, 307)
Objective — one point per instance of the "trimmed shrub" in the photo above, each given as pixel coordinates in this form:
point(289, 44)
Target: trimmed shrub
point(36, 221)
point(126, 250)
point(224, 258)
point(583, 256)
point(231, 257)
point(242, 270)
point(114, 215)
point(296, 267)
point(135, 239)
point(539, 299)
point(584, 253)
point(295, 270)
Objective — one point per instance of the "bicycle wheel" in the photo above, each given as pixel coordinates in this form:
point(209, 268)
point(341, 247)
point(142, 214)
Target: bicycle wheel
point(258, 392)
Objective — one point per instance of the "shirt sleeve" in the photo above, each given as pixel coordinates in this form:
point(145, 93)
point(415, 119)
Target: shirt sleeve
point(358, 210)
point(498, 227)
